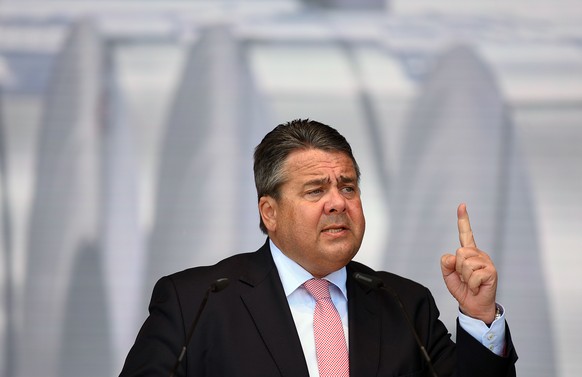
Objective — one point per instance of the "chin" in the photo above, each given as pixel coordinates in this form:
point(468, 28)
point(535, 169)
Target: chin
point(344, 257)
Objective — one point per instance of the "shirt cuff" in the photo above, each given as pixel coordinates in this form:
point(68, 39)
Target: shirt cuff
point(492, 337)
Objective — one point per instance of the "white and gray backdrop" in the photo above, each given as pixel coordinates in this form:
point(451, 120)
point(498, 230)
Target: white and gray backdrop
point(127, 130)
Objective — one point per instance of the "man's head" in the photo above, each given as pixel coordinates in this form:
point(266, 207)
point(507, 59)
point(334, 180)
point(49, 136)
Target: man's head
point(307, 182)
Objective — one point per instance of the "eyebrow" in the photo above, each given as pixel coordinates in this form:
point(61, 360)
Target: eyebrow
point(327, 180)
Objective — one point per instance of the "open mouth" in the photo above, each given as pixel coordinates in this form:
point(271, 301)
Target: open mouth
point(334, 230)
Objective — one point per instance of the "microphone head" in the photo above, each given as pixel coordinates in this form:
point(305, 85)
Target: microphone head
point(368, 280)
point(219, 285)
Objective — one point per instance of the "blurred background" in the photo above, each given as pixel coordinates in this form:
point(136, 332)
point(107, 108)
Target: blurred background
point(127, 130)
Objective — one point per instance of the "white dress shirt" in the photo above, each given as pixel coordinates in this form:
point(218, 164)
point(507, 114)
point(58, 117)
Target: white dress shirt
point(302, 305)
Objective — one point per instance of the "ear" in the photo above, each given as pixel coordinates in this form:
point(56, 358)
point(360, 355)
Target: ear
point(268, 211)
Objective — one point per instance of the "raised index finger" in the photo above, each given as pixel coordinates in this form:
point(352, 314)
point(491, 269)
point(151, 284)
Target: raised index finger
point(465, 232)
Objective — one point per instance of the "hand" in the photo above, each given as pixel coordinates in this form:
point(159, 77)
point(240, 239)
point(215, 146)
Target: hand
point(470, 275)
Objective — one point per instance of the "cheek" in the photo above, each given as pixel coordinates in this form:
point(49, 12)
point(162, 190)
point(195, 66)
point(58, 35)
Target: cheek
point(356, 211)
point(308, 219)
point(357, 216)
point(306, 224)
point(297, 219)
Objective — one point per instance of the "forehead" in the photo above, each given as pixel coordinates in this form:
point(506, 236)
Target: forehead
point(316, 162)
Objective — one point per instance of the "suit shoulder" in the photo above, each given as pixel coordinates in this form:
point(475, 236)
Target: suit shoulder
point(228, 266)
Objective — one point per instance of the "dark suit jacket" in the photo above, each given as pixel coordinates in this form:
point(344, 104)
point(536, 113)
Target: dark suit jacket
point(247, 330)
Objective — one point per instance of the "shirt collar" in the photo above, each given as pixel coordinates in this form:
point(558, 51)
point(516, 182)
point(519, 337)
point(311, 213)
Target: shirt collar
point(293, 275)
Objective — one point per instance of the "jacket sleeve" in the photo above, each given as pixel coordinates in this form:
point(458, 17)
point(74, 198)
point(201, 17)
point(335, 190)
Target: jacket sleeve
point(475, 360)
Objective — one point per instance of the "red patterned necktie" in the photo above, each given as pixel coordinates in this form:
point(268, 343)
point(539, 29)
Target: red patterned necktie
point(330, 342)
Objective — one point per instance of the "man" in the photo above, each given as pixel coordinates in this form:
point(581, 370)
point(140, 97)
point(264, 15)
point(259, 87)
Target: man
point(270, 321)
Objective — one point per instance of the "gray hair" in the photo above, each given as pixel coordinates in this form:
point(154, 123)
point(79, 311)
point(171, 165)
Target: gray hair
point(271, 154)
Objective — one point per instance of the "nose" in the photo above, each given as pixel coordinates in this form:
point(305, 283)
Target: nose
point(336, 202)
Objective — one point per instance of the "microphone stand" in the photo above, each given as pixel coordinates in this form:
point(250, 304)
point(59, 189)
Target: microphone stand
point(217, 286)
point(377, 283)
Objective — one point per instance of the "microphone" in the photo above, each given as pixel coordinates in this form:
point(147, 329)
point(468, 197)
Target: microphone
point(377, 283)
point(216, 286)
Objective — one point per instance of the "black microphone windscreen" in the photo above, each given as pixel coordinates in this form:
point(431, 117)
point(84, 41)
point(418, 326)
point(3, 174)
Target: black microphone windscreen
point(219, 284)
point(369, 280)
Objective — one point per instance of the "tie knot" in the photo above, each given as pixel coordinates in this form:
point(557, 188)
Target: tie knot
point(318, 288)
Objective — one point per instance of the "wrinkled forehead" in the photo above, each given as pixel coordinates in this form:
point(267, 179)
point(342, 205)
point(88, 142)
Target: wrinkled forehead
point(319, 164)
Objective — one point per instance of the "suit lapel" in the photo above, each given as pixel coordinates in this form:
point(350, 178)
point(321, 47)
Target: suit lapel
point(268, 306)
point(364, 328)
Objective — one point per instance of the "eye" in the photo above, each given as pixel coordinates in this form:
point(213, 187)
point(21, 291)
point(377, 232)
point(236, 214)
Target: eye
point(348, 190)
point(315, 192)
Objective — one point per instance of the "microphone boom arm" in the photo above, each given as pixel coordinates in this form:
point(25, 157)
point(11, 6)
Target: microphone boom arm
point(217, 286)
point(377, 283)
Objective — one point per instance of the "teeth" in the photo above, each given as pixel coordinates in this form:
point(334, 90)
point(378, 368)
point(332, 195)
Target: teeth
point(337, 230)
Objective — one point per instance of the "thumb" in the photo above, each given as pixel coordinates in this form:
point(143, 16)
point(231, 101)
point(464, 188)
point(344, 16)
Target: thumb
point(448, 262)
